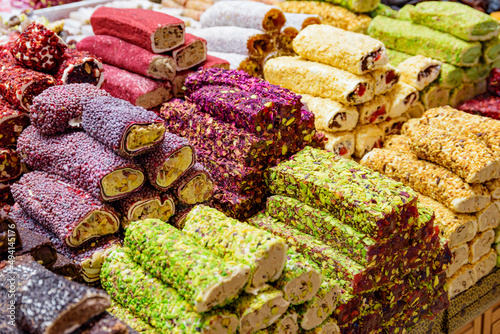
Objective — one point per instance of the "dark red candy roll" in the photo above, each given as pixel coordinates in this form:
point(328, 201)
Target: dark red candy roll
point(193, 52)
point(84, 161)
point(196, 186)
point(38, 48)
point(136, 89)
point(483, 105)
point(126, 129)
point(494, 82)
point(80, 67)
point(72, 214)
point(12, 123)
point(130, 57)
point(10, 165)
point(153, 31)
point(237, 206)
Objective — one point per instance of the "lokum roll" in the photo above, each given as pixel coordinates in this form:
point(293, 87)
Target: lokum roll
point(491, 50)
point(434, 96)
point(404, 13)
point(460, 94)
point(419, 71)
point(196, 186)
point(230, 239)
point(494, 188)
point(459, 258)
point(320, 80)
point(429, 179)
point(287, 324)
point(202, 278)
point(80, 67)
point(415, 111)
point(136, 323)
point(38, 48)
point(356, 53)
point(65, 267)
point(300, 21)
point(488, 217)
point(396, 57)
point(59, 108)
point(450, 76)
point(402, 98)
point(193, 52)
point(260, 310)
point(480, 245)
point(463, 279)
point(329, 326)
point(342, 144)
point(374, 111)
point(12, 123)
point(244, 14)
point(300, 279)
point(134, 88)
point(330, 115)
point(393, 126)
point(480, 87)
point(367, 137)
point(151, 30)
point(385, 78)
point(476, 73)
point(486, 264)
point(412, 38)
point(457, 19)
point(468, 158)
point(163, 306)
point(10, 165)
point(168, 161)
point(243, 41)
point(384, 10)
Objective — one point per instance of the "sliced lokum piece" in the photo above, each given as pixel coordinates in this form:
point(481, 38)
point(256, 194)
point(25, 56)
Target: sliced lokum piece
point(168, 161)
point(494, 188)
point(38, 48)
point(329, 326)
point(12, 123)
point(393, 126)
point(321, 80)
point(163, 306)
point(196, 186)
point(431, 180)
point(434, 96)
point(374, 111)
point(193, 52)
point(300, 21)
point(151, 30)
point(126, 129)
point(385, 78)
point(203, 279)
point(356, 53)
point(367, 138)
point(491, 50)
point(468, 158)
point(59, 108)
point(331, 115)
point(419, 71)
point(138, 90)
point(10, 165)
point(480, 245)
point(287, 324)
point(476, 73)
point(80, 67)
point(341, 143)
point(489, 217)
point(244, 14)
point(485, 264)
point(460, 94)
point(460, 257)
point(412, 38)
point(463, 279)
point(130, 57)
point(402, 98)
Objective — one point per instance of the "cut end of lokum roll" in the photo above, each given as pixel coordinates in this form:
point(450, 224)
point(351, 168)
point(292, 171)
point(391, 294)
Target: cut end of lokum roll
point(141, 136)
point(175, 166)
point(154, 98)
point(167, 38)
point(322, 308)
point(199, 189)
point(265, 314)
point(486, 264)
point(91, 266)
point(374, 60)
point(222, 324)
point(341, 143)
point(490, 171)
point(464, 232)
point(416, 110)
point(328, 327)
point(459, 258)
point(403, 96)
point(162, 68)
point(394, 126)
point(471, 204)
point(481, 245)
point(152, 208)
point(461, 281)
point(489, 218)
point(120, 182)
point(95, 224)
point(80, 67)
point(32, 89)
point(274, 20)
point(270, 267)
point(303, 288)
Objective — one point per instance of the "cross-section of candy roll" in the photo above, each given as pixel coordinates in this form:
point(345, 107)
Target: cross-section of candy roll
point(80, 67)
point(457, 19)
point(367, 137)
point(480, 245)
point(12, 123)
point(10, 165)
point(316, 310)
point(494, 188)
point(486, 264)
point(356, 53)
point(126, 129)
point(136, 323)
point(19, 85)
point(489, 217)
point(434, 96)
point(171, 159)
point(287, 324)
point(402, 97)
point(460, 94)
point(87, 219)
point(329, 326)
point(419, 71)
point(153, 31)
point(385, 78)
point(393, 126)
point(231, 239)
point(450, 76)
point(459, 258)
point(193, 52)
point(38, 48)
point(312, 78)
point(59, 108)
point(244, 14)
point(160, 303)
point(468, 158)
point(415, 111)
point(202, 278)
point(480, 87)
point(462, 280)
point(374, 111)
point(136, 89)
point(491, 50)
point(331, 115)
point(300, 21)
point(340, 143)
point(104, 323)
point(476, 73)
point(195, 186)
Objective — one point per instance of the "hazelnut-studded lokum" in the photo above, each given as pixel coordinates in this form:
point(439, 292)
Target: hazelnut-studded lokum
point(12, 123)
point(196, 186)
point(80, 67)
point(163, 306)
point(201, 277)
point(84, 161)
point(237, 206)
point(151, 30)
point(239, 242)
point(485, 264)
point(459, 258)
point(462, 280)
point(75, 219)
point(331, 115)
point(193, 52)
point(402, 97)
point(489, 217)
point(126, 129)
point(480, 245)
point(10, 165)
point(59, 108)
point(38, 48)
point(287, 324)
point(398, 143)
point(329, 326)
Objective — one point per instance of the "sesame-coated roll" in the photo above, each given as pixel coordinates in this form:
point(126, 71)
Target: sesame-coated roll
point(287, 324)
point(468, 158)
point(10, 165)
point(330, 115)
point(87, 218)
point(126, 129)
point(402, 97)
point(59, 108)
point(355, 53)
point(419, 71)
point(393, 126)
point(171, 159)
point(202, 278)
point(329, 326)
point(462, 280)
point(367, 138)
point(237, 206)
point(485, 264)
point(398, 143)
point(342, 144)
point(12, 123)
point(480, 245)
point(385, 78)
point(163, 306)
point(459, 258)
point(374, 111)
point(489, 217)
point(106, 175)
point(80, 67)
point(196, 186)
point(231, 239)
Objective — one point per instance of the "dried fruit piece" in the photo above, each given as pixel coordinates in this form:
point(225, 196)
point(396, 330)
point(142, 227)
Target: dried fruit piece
point(385, 78)
point(196, 186)
point(80, 67)
point(374, 111)
point(419, 71)
point(330, 115)
point(12, 123)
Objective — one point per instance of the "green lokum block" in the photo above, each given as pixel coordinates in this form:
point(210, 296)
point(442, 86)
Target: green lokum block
point(476, 73)
point(405, 13)
point(357, 6)
point(450, 76)
point(164, 308)
point(456, 19)
point(491, 50)
point(202, 278)
point(414, 39)
point(233, 240)
point(396, 57)
point(384, 10)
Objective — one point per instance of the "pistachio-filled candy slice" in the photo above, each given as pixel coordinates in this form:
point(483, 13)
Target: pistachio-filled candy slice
point(287, 324)
point(460, 94)
point(459, 258)
point(196, 186)
point(489, 217)
point(481, 245)
point(342, 144)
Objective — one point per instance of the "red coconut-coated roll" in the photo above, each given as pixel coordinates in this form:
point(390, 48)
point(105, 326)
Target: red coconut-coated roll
point(12, 123)
point(10, 165)
point(169, 161)
point(80, 67)
point(134, 88)
point(130, 57)
point(196, 186)
point(59, 108)
point(126, 129)
point(193, 52)
point(83, 160)
point(69, 212)
point(19, 85)
point(151, 30)
point(38, 48)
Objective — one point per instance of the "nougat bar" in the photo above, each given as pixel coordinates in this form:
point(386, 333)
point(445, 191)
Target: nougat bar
point(402, 97)
point(419, 71)
point(331, 115)
point(80, 67)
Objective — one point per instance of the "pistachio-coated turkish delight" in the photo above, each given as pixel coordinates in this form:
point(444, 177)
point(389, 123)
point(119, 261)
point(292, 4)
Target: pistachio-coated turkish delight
point(402, 98)
point(129, 318)
point(331, 115)
point(202, 278)
point(450, 76)
point(491, 50)
point(480, 245)
point(396, 57)
point(434, 96)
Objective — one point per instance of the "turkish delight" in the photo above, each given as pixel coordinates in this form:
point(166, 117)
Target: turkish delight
point(402, 97)
point(460, 257)
point(10, 165)
point(193, 52)
point(385, 78)
point(485, 264)
point(494, 188)
point(480, 245)
point(460, 94)
point(103, 323)
point(393, 126)
point(342, 144)
point(419, 71)
point(136, 323)
point(12, 123)
point(489, 217)
point(374, 111)
point(300, 21)
point(80, 67)
point(329, 326)
point(287, 324)
point(367, 137)
point(415, 111)
point(65, 267)
point(239, 62)
point(450, 76)
point(196, 186)
point(476, 73)
point(462, 280)
point(331, 115)
point(398, 143)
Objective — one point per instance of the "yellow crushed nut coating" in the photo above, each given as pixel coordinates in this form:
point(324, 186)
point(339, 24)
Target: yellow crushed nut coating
point(398, 143)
